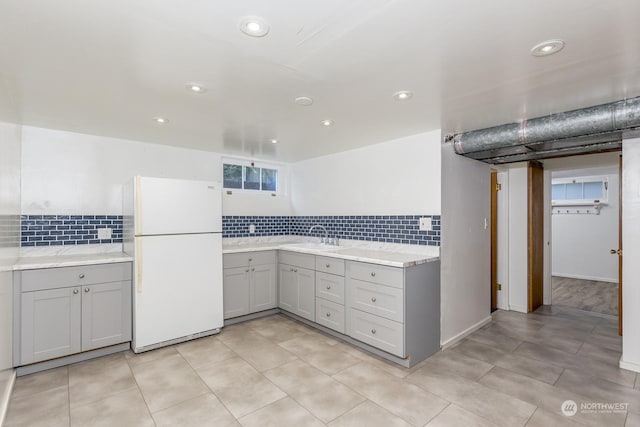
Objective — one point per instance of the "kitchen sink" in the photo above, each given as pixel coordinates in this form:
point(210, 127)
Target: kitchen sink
point(312, 246)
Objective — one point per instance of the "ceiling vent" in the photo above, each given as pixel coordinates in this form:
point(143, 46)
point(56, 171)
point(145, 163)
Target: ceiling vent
point(587, 130)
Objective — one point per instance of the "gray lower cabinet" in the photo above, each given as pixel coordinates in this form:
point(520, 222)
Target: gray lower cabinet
point(297, 291)
point(249, 283)
point(71, 313)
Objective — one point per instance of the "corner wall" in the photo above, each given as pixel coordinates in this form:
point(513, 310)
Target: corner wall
point(631, 254)
point(466, 246)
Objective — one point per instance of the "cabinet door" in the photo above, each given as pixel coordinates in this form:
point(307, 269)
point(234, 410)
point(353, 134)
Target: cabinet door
point(49, 324)
point(306, 293)
point(262, 290)
point(106, 314)
point(288, 285)
point(236, 292)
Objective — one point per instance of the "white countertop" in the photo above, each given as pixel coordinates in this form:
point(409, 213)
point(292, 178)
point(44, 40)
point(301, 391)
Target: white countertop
point(33, 262)
point(374, 256)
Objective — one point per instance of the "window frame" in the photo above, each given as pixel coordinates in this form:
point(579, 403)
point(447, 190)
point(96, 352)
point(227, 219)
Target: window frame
point(581, 180)
point(246, 163)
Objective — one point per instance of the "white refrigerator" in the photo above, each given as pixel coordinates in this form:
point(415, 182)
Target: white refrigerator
point(173, 230)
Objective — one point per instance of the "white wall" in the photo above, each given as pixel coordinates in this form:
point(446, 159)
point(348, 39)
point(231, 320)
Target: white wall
point(466, 245)
point(9, 205)
point(72, 173)
point(518, 237)
point(396, 177)
point(581, 243)
point(631, 254)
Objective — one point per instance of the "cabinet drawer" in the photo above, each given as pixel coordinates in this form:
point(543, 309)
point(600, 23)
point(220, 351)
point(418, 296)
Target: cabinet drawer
point(390, 276)
point(382, 333)
point(297, 259)
point(330, 265)
point(380, 300)
point(330, 287)
point(245, 259)
point(52, 278)
point(330, 314)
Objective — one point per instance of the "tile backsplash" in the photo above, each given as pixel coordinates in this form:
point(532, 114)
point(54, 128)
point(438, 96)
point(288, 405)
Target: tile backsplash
point(56, 230)
point(9, 231)
point(381, 228)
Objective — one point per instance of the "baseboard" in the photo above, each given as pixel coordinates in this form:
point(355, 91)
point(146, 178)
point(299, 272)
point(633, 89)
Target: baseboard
point(629, 366)
point(579, 276)
point(451, 341)
point(519, 308)
point(6, 396)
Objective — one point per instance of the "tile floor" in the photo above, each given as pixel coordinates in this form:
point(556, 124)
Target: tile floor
point(516, 371)
point(587, 295)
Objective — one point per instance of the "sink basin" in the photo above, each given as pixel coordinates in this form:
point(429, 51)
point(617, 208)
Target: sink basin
point(312, 246)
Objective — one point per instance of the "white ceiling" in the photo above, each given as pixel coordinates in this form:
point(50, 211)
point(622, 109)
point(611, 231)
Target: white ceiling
point(107, 67)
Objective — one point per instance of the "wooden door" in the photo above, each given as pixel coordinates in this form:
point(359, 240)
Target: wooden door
point(494, 240)
point(619, 251)
point(535, 235)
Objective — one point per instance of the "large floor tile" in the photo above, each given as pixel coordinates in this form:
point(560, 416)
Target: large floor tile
point(240, 387)
point(261, 353)
point(530, 367)
point(149, 356)
point(545, 396)
point(99, 378)
point(495, 339)
point(477, 350)
point(168, 381)
point(455, 363)
point(202, 411)
point(600, 353)
point(204, 350)
point(123, 409)
point(368, 414)
point(323, 396)
point(41, 381)
point(492, 405)
point(633, 420)
point(401, 398)
point(455, 416)
point(48, 408)
point(542, 418)
point(279, 328)
point(282, 413)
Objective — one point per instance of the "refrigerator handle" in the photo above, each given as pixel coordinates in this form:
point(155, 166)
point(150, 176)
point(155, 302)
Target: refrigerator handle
point(138, 265)
point(138, 201)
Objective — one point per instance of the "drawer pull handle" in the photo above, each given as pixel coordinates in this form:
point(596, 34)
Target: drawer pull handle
point(328, 287)
point(373, 331)
point(250, 259)
point(328, 314)
point(328, 265)
point(373, 274)
point(81, 275)
point(75, 291)
point(373, 299)
point(86, 289)
point(295, 270)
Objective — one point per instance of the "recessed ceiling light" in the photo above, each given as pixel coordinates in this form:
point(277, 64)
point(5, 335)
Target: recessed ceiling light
point(274, 141)
point(254, 26)
point(548, 47)
point(403, 95)
point(196, 88)
point(327, 122)
point(304, 101)
point(161, 120)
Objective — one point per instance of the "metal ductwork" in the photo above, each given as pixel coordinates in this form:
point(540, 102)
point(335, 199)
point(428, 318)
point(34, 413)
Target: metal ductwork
point(584, 131)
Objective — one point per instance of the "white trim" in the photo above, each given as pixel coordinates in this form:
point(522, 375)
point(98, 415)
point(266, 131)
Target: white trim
point(579, 276)
point(503, 240)
point(629, 366)
point(6, 396)
point(451, 341)
point(518, 308)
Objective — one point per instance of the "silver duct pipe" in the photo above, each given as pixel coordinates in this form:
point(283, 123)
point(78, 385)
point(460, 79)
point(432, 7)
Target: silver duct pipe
point(591, 129)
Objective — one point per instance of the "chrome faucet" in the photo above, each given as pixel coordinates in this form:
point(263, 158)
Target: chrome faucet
point(324, 239)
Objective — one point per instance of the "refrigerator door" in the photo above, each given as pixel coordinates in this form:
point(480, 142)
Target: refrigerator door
point(178, 287)
point(177, 206)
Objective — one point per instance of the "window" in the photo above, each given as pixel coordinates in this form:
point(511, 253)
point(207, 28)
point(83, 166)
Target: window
point(576, 191)
point(249, 177)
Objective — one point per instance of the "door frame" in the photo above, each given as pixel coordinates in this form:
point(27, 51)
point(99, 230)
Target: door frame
point(535, 235)
point(494, 239)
